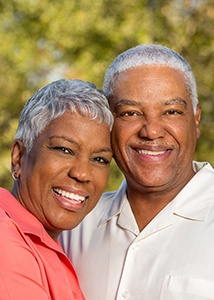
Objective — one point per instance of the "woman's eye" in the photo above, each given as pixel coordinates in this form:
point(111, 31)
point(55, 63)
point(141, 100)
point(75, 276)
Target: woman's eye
point(102, 160)
point(64, 150)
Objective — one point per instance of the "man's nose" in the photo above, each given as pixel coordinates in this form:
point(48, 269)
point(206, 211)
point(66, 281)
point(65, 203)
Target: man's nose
point(152, 128)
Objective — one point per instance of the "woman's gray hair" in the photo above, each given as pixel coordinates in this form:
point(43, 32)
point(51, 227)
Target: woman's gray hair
point(53, 100)
point(151, 54)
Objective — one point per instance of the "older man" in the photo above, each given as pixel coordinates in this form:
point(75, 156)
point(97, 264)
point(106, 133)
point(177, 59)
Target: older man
point(153, 238)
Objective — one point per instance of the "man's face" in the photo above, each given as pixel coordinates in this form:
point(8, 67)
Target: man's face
point(155, 130)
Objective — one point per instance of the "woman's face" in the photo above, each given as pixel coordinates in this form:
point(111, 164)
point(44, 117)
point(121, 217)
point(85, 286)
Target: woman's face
point(64, 175)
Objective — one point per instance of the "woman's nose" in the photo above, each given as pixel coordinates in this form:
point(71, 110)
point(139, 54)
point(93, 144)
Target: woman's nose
point(80, 171)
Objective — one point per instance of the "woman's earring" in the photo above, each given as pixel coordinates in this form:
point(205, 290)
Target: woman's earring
point(13, 175)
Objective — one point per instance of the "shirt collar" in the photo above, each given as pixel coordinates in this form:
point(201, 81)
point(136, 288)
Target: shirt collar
point(196, 198)
point(120, 208)
point(187, 204)
point(116, 203)
point(28, 223)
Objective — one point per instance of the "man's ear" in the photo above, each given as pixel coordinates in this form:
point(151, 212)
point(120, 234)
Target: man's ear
point(17, 157)
point(197, 119)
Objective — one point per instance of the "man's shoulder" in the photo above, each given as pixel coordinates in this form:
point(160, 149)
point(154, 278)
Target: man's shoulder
point(88, 226)
point(108, 201)
point(104, 205)
point(107, 196)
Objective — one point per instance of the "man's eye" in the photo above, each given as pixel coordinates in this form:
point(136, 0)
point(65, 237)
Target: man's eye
point(129, 115)
point(173, 112)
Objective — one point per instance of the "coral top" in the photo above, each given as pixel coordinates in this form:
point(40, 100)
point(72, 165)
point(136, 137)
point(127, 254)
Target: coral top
point(32, 265)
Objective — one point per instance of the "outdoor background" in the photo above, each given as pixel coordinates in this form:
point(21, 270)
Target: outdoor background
point(44, 40)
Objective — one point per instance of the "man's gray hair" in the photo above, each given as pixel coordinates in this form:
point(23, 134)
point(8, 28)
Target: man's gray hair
point(53, 100)
point(151, 54)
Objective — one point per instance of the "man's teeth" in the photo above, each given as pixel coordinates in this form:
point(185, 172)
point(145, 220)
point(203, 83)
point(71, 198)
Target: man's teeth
point(69, 195)
point(146, 152)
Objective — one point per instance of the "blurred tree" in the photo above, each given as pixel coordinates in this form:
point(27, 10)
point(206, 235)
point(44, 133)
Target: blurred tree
point(43, 40)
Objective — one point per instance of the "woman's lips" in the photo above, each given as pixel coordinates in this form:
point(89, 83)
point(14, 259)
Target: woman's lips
point(69, 195)
point(70, 201)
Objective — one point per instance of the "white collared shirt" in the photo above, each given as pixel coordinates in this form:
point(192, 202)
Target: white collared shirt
point(172, 258)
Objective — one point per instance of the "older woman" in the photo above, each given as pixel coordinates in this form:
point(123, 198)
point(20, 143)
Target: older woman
point(60, 165)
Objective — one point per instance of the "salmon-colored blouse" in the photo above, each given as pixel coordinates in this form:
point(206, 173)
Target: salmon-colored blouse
point(32, 265)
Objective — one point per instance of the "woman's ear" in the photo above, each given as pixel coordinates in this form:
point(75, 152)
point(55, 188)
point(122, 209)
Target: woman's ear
point(17, 157)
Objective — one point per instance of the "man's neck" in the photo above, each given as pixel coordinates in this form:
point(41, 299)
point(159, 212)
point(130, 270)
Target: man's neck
point(147, 202)
point(146, 205)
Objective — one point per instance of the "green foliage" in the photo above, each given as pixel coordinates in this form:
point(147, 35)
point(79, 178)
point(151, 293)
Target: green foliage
point(43, 40)
point(115, 178)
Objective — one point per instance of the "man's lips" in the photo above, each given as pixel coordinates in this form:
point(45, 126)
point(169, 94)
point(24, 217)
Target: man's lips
point(149, 152)
point(152, 152)
point(152, 156)
point(153, 149)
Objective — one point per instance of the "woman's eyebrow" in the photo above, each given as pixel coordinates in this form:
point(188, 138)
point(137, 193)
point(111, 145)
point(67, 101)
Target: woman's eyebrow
point(61, 137)
point(104, 150)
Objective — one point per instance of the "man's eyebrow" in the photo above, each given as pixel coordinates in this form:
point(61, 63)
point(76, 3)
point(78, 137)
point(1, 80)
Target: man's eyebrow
point(175, 101)
point(126, 102)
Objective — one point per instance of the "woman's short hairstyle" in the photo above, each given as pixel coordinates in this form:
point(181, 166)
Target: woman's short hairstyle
point(53, 100)
point(151, 54)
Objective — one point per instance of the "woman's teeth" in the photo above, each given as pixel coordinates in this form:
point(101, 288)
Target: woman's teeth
point(69, 195)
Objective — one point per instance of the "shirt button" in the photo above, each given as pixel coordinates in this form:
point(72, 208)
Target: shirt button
point(135, 247)
point(126, 295)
